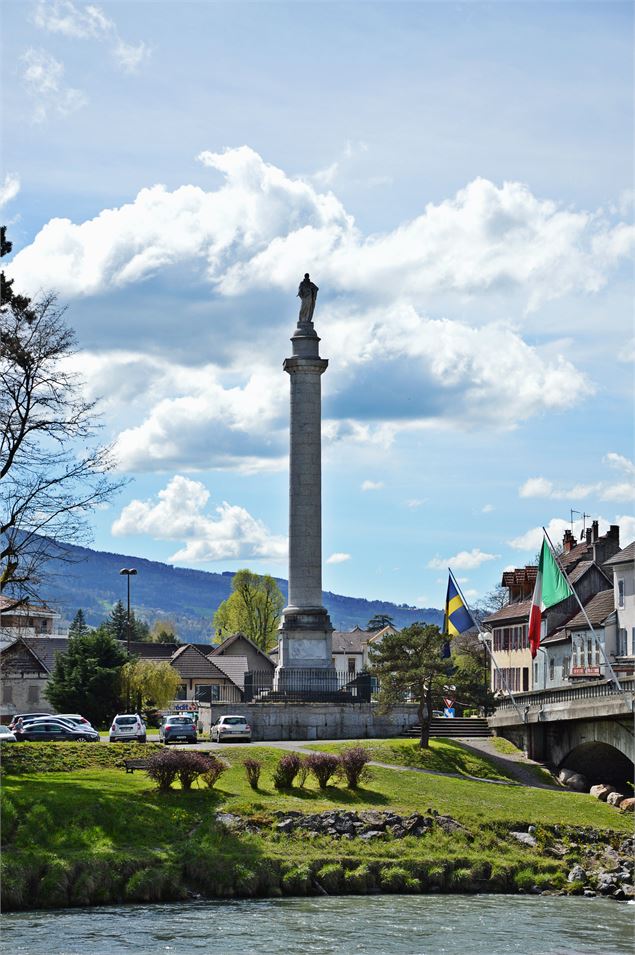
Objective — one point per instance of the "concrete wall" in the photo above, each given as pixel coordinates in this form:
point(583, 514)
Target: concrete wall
point(314, 721)
point(23, 694)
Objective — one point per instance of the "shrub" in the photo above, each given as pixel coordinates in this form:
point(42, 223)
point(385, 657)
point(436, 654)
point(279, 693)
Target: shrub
point(323, 766)
point(68, 757)
point(286, 771)
point(215, 769)
point(353, 765)
point(252, 769)
point(190, 767)
point(166, 765)
point(9, 820)
point(303, 772)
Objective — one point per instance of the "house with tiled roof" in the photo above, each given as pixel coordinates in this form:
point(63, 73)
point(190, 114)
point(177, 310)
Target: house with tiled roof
point(622, 566)
point(585, 563)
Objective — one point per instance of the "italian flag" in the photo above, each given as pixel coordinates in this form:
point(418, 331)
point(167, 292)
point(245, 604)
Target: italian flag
point(551, 587)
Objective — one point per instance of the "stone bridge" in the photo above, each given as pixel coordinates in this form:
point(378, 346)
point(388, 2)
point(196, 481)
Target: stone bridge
point(587, 728)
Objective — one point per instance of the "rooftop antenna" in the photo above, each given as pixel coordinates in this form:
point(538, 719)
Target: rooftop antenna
point(583, 516)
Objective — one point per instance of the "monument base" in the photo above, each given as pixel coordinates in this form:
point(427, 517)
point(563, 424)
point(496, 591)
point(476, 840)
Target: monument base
point(305, 670)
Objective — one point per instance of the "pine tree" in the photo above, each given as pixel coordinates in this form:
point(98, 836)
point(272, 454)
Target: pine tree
point(86, 678)
point(79, 625)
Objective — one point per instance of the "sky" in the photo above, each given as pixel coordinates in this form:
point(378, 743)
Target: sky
point(458, 180)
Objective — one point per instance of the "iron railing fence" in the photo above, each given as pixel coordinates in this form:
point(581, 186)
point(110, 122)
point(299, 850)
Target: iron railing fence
point(308, 685)
point(567, 694)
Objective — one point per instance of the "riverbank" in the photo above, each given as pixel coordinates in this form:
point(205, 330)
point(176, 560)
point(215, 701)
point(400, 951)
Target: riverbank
point(98, 835)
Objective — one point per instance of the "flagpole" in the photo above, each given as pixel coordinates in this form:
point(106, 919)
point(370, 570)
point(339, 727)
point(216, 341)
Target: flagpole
point(482, 640)
point(586, 616)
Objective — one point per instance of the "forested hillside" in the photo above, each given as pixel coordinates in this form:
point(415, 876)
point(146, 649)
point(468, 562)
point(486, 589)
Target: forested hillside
point(188, 597)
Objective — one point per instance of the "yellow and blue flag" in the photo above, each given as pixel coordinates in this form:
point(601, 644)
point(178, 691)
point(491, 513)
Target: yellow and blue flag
point(458, 618)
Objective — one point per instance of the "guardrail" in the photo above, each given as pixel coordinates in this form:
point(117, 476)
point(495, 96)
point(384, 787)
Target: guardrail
point(567, 694)
point(308, 685)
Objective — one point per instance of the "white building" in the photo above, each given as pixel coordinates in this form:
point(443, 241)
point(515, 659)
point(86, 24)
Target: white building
point(623, 567)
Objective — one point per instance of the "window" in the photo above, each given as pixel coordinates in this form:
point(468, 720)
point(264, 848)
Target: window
point(566, 666)
point(204, 693)
point(622, 648)
point(620, 593)
point(7, 693)
point(181, 692)
point(33, 694)
point(525, 679)
point(352, 665)
point(536, 674)
point(552, 670)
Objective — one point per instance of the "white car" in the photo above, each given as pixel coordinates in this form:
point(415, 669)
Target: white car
point(229, 728)
point(127, 726)
point(6, 736)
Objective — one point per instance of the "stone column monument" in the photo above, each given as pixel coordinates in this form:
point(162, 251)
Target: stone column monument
point(305, 645)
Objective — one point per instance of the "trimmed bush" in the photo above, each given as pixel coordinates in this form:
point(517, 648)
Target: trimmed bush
point(215, 769)
point(285, 772)
point(323, 766)
point(253, 768)
point(354, 765)
point(190, 766)
point(168, 765)
point(68, 757)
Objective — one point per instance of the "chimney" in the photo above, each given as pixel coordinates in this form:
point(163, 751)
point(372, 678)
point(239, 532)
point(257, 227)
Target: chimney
point(613, 532)
point(568, 541)
point(589, 535)
point(596, 530)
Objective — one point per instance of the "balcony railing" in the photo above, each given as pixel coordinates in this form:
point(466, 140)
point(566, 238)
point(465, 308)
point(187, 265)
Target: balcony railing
point(308, 685)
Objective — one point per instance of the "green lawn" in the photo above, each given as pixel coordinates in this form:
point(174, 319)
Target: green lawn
point(103, 835)
point(443, 756)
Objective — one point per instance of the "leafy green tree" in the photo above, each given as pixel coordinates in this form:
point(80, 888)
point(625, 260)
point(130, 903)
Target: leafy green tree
point(148, 684)
point(409, 665)
point(86, 678)
point(79, 625)
point(253, 608)
point(163, 631)
point(379, 621)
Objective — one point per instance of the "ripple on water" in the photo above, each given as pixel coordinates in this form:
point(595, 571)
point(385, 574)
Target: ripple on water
point(366, 925)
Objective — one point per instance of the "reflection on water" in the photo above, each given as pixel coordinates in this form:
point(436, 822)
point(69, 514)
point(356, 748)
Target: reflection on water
point(368, 925)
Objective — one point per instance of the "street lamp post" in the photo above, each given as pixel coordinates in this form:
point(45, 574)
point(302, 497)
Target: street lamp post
point(128, 572)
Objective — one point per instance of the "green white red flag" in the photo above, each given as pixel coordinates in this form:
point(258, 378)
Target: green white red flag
point(551, 587)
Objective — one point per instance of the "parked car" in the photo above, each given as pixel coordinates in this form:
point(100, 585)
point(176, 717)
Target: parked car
point(127, 726)
point(32, 721)
point(230, 728)
point(39, 731)
point(180, 728)
point(6, 736)
point(25, 716)
point(75, 718)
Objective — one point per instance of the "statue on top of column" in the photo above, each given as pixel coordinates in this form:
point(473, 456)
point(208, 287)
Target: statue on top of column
point(307, 293)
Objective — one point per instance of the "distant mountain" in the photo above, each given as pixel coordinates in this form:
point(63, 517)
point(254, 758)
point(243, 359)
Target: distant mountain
point(91, 580)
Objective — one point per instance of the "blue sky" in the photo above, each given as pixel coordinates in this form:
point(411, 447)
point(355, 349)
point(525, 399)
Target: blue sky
point(458, 180)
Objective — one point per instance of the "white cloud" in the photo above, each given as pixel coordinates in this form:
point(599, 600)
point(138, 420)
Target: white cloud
point(89, 22)
point(372, 485)
point(464, 560)
point(487, 509)
point(9, 189)
point(604, 490)
point(414, 502)
point(178, 513)
point(261, 226)
point(338, 558)
point(43, 77)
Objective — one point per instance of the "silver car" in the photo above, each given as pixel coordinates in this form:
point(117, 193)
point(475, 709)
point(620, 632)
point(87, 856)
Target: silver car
point(127, 726)
point(228, 728)
point(6, 736)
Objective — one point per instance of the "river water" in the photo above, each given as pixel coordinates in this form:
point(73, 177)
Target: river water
point(367, 925)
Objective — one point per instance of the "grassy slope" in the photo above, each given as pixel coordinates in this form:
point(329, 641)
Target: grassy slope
point(443, 756)
point(93, 825)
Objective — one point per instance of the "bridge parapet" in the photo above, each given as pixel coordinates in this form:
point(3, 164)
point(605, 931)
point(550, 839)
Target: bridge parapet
point(584, 701)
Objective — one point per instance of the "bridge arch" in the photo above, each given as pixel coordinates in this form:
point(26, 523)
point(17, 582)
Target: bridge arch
point(602, 750)
point(600, 763)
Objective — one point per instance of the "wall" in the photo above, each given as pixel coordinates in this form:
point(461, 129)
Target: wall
point(312, 721)
point(20, 689)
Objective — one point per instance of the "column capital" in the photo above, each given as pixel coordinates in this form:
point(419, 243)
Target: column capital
point(307, 366)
